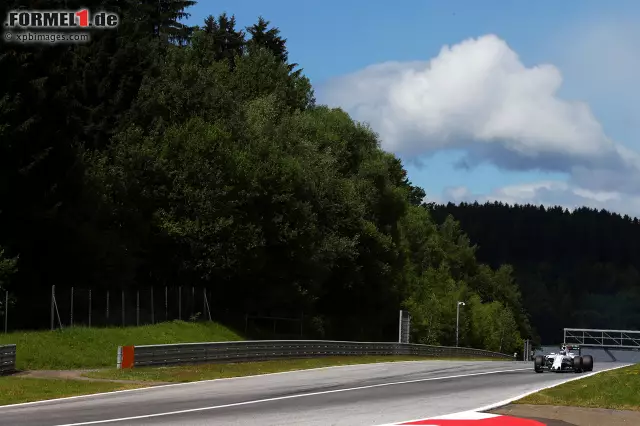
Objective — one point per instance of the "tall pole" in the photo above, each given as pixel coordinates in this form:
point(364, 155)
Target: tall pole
point(123, 319)
point(6, 311)
point(458, 320)
point(53, 296)
point(153, 319)
point(71, 316)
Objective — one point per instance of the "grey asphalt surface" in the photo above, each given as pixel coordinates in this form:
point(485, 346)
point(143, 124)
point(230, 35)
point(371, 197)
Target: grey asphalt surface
point(351, 395)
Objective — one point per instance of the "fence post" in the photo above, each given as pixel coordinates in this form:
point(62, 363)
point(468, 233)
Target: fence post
point(193, 300)
point(6, 311)
point(107, 307)
point(53, 295)
point(206, 303)
point(89, 307)
point(152, 313)
point(71, 318)
point(123, 322)
point(166, 304)
point(137, 308)
point(180, 303)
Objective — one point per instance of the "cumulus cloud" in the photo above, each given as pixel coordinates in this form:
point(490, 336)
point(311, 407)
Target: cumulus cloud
point(477, 96)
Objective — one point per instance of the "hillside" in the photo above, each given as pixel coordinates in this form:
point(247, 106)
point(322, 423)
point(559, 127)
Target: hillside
point(83, 347)
point(164, 155)
point(574, 269)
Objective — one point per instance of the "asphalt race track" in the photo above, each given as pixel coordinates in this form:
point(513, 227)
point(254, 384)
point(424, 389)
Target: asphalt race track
point(350, 395)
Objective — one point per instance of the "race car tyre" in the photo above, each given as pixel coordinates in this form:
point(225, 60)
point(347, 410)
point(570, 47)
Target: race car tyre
point(587, 363)
point(577, 364)
point(538, 363)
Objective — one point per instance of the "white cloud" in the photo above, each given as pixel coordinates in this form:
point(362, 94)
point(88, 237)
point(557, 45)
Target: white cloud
point(478, 96)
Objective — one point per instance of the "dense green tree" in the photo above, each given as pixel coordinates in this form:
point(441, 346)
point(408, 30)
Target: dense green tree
point(222, 41)
point(269, 38)
point(156, 155)
point(573, 269)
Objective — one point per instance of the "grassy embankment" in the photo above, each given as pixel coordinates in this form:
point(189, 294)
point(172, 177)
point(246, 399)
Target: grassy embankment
point(82, 348)
point(14, 390)
point(190, 373)
point(617, 389)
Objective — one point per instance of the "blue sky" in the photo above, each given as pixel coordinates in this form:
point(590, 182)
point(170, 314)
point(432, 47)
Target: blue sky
point(585, 40)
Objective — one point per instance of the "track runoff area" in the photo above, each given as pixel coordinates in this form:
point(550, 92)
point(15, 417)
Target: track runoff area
point(557, 362)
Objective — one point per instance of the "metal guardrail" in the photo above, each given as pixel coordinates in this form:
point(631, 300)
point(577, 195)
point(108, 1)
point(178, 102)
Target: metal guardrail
point(264, 350)
point(7, 359)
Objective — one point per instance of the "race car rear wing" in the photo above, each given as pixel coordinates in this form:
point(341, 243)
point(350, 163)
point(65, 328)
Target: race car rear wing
point(574, 348)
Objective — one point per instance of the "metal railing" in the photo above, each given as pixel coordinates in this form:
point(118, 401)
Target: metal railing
point(7, 359)
point(626, 339)
point(243, 351)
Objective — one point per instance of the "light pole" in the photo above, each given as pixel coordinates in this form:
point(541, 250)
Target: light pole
point(458, 320)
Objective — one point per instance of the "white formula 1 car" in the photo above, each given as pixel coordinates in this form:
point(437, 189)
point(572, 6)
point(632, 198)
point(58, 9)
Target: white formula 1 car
point(563, 361)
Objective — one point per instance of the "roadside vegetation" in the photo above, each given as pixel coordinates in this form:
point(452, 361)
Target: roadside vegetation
point(83, 347)
point(198, 156)
point(14, 390)
point(616, 389)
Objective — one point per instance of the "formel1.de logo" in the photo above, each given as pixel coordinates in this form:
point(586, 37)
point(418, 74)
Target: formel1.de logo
point(61, 19)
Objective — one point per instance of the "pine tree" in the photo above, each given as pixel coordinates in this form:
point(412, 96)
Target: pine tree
point(225, 42)
point(262, 36)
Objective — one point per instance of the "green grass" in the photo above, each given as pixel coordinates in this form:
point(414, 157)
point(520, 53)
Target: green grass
point(83, 347)
point(14, 390)
point(616, 389)
point(190, 373)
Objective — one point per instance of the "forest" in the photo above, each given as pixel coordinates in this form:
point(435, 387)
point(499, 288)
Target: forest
point(575, 269)
point(160, 153)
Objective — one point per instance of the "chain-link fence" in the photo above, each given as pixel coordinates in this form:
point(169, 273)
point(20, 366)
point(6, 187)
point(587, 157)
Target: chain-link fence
point(63, 307)
point(76, 307)
point(132, 307)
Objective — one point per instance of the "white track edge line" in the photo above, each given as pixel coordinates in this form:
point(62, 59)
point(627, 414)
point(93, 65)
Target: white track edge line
point(151, 386)
point(506, 401)
point(281, 398)
point(510, 400)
